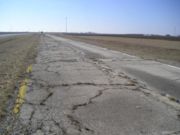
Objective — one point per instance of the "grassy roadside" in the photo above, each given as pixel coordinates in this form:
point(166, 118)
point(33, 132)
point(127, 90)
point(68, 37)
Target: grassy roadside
point(154, 49)
point(16, 53)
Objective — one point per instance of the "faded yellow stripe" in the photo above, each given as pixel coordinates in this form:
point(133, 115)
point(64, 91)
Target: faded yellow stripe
point(29, 69)
point(22, 92)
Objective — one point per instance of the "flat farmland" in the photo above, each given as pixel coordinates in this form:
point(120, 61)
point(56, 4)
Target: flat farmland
point(166, 51)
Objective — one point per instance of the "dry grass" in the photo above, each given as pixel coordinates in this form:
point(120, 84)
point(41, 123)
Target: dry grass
point(15, 55)
point(160, 50)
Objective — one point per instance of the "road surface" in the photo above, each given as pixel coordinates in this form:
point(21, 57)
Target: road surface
point(80, 89)
point(12, 35)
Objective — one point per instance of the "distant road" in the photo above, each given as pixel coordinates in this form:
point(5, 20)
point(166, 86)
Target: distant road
point(10, 35)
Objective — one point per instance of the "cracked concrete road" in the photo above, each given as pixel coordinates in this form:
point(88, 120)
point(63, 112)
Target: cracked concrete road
point(74, 92)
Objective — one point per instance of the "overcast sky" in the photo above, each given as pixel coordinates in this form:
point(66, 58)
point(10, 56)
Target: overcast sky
point(101, 16)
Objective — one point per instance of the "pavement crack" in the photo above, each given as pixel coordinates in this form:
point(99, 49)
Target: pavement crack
point(50, 71)
point(39, 82)
point(46, 98)
point(100, 92)
point(90, 100)
point(63, 130)
point(108, 71)
point(177, 79)
point(32, 114)
point(173, 133)
point(78, 125)
point(75, 107)
point(83, 84)
point(60, 60)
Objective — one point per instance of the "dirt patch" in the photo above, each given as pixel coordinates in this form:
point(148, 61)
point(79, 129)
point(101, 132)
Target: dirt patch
point(154, 49)
point(16, 53)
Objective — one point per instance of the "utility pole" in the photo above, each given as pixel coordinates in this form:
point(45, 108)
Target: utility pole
point(174, 31)
point(66, 24)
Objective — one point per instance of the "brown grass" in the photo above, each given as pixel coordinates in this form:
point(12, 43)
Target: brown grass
point(15, 54)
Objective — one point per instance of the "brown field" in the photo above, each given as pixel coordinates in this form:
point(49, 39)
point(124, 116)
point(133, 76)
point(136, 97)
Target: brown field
point(155, 49)
point(15, 55)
